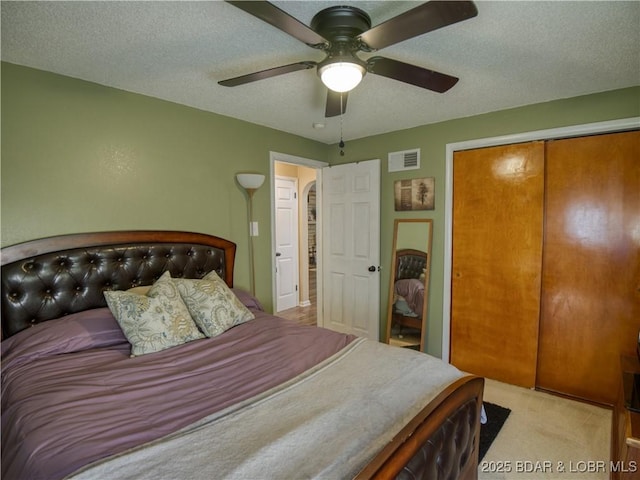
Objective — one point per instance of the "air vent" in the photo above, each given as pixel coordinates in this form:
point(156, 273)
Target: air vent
point(405, 160)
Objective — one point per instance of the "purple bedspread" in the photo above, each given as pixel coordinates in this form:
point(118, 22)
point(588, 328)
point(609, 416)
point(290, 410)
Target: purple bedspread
point(71, 394)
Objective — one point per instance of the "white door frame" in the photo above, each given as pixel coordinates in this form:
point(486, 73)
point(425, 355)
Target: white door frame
point(550, 134)
point(318, 166)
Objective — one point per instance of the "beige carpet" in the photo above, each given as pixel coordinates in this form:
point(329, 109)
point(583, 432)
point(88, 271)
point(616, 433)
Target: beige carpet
point(546, 437)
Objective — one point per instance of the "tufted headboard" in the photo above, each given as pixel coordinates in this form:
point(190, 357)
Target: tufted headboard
point(51, 277)
point(410, 263)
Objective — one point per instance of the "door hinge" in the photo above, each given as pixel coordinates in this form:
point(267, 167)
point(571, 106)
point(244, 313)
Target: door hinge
point(295, 195)
point(296, 288)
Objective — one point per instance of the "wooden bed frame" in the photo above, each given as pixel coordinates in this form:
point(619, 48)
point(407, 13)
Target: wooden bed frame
point(48, 278)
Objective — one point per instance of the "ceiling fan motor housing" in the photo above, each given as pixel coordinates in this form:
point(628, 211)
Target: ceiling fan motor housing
point(341, 24)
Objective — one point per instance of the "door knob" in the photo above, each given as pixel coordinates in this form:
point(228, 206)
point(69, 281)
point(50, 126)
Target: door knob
point(278, 254)
point(372, 268)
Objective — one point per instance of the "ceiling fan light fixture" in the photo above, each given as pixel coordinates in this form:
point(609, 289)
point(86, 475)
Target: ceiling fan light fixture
point(341, 76)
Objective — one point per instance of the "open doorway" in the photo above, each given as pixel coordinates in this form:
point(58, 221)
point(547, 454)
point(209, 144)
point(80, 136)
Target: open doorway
point(312, 243)
point(306, 312)
point(307, 287)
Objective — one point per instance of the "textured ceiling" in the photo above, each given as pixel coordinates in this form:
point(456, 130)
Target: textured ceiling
point(513, 53)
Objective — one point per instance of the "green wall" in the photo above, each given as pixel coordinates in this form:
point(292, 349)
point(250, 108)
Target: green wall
point(79, 157)
point(432, 140)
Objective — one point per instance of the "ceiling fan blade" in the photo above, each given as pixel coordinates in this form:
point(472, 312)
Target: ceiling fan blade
point(280, 19)
point(407, 73)
point(334, 106)
point(425, 18)
point(271, 72)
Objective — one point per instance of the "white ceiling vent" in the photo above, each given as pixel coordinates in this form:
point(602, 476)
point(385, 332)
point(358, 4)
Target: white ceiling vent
point(405, 160)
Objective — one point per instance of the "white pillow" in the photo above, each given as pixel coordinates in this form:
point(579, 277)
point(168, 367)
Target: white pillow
point(155, 321)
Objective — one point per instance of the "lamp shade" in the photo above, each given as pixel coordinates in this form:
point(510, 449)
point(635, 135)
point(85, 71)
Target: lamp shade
point(341, 76)
point(250, 181)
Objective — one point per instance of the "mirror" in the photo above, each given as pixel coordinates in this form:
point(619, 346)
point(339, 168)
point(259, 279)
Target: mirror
point(409, 283)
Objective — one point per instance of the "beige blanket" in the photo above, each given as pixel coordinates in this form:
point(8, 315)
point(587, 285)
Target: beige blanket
point(326, 423)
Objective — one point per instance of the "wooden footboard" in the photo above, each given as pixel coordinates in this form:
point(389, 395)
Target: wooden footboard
point(441, 442)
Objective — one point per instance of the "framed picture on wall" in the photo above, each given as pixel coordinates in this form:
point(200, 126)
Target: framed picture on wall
point(414, 194)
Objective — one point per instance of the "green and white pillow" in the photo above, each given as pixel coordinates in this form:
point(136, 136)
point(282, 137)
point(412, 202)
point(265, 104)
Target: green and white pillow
point(155, 321)
point(212, 304)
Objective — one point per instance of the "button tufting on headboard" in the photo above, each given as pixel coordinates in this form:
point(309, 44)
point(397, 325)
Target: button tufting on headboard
point(41, 287)
point(410, 263)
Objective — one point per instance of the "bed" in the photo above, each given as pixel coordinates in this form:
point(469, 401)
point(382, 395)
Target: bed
point(263, 398)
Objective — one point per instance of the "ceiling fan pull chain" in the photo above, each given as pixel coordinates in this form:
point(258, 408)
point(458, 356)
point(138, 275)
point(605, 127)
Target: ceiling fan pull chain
point(341, 144)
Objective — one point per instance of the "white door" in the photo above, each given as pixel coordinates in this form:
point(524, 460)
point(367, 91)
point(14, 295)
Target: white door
point(351, 248)
point(286, 260)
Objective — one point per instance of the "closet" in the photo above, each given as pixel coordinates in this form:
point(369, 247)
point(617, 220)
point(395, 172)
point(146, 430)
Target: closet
point(546, 262)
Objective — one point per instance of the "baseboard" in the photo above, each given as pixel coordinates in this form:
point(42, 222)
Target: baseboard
point(305, 303)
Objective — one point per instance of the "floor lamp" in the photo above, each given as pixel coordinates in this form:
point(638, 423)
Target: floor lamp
point(251, 182)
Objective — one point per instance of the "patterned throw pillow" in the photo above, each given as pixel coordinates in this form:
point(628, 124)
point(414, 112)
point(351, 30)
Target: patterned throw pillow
point(212, 304)
point(155, 321)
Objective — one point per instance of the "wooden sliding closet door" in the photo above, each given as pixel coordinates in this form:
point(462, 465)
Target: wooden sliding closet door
point(591, 267)
point(497, 256)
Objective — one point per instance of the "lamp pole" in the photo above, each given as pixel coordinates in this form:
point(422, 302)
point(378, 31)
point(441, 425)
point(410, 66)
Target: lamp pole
point(251, 182)
point(250, 192)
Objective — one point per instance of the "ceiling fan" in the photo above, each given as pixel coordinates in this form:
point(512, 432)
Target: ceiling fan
point(343, 31)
